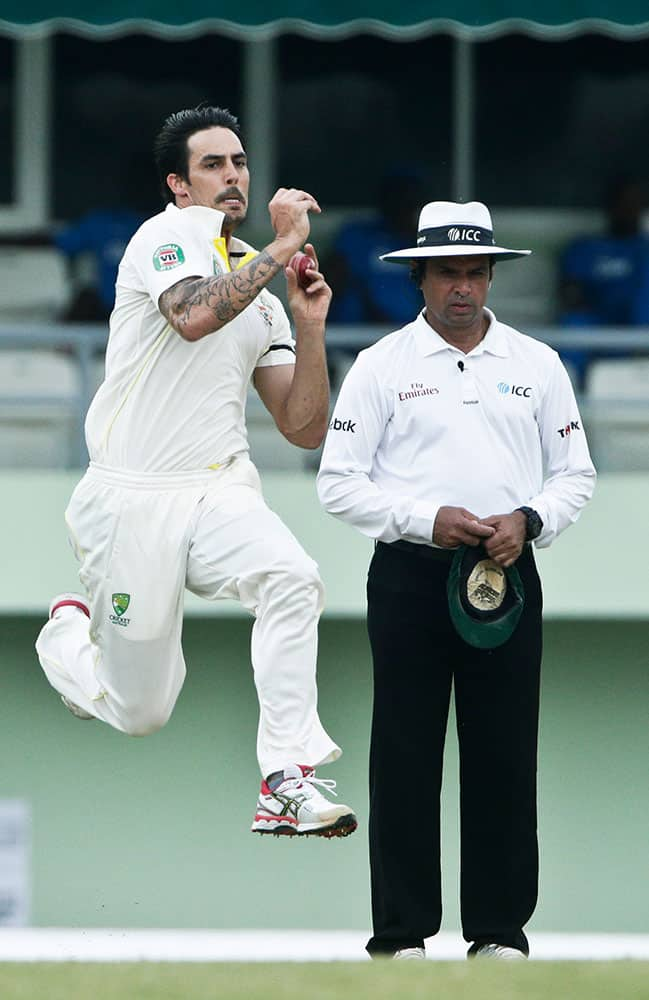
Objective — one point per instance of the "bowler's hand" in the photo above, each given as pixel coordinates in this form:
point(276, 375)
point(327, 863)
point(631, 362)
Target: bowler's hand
point(456, 526)
point(508, 539)
point(289, 215)
point(309, 306)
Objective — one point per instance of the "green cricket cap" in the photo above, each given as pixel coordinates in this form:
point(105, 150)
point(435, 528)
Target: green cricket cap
point(485, 600)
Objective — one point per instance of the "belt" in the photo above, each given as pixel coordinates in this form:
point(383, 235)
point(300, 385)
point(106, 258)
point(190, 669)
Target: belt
point(421, 551)
point(442, 555)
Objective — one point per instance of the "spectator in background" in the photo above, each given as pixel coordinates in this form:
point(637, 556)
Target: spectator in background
point(365, 289)
point(603, 278)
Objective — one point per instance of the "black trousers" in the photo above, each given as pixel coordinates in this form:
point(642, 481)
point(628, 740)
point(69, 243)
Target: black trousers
point(418, 657)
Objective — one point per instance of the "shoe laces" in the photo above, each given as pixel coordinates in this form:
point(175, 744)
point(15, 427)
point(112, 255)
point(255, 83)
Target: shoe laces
point(310, 781)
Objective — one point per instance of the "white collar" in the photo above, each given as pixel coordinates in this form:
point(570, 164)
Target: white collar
point(211, 218)
point(429, 341)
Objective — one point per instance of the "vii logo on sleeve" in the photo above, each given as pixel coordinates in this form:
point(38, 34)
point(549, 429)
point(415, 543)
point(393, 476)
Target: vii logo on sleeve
point(168, 256)
point(120, 607)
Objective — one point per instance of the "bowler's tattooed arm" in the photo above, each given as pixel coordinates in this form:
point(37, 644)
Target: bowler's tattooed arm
point(196, 307)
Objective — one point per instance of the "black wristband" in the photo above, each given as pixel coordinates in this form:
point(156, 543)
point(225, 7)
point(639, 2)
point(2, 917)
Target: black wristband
point(534, 525)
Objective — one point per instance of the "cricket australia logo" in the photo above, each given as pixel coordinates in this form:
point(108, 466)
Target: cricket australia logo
point(168, 256)
point(120, 607)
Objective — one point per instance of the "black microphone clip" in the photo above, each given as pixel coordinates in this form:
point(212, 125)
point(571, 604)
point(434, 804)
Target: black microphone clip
point(460, 365)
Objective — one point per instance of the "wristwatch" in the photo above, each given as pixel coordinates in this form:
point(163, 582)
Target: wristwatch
point(534, 523)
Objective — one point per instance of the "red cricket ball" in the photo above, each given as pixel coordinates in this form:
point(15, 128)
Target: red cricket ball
point(302, 264)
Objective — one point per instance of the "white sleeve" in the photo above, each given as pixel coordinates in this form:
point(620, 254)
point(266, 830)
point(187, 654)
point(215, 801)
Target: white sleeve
point(344, 482)
point(165, 252)
point(280, 350)
point(569, 474)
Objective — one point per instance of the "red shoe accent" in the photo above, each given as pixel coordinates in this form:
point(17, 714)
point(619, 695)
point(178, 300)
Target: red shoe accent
point(291, 820)
point(67, 603)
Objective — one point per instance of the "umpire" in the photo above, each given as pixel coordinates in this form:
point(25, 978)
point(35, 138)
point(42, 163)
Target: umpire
point(455, 443)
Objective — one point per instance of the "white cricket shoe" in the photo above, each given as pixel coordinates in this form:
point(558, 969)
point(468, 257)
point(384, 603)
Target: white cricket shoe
point(499, 951)
point(407, 954)
point(80, 603)
point(297, 807)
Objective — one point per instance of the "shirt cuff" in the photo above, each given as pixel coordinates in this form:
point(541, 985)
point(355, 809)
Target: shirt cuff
point(421, 522)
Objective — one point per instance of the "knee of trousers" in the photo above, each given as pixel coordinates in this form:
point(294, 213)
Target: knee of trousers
point(297, 581)
point(140, 719)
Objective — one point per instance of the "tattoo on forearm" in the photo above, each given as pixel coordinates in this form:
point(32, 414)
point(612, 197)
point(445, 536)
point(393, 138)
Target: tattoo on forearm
point(225, 295)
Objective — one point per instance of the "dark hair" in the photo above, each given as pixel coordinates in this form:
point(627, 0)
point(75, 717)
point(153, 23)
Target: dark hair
point(170, 145)
point(418, 269)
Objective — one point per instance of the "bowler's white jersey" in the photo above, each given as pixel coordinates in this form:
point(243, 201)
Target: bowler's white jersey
point(169, 404)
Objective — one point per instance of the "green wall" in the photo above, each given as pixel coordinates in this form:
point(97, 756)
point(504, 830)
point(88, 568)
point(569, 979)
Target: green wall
point(589, 572)
point(155, 831)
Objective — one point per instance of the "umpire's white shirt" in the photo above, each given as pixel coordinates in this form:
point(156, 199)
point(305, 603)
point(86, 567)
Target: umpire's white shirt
point(411, 432)
point(167, 404)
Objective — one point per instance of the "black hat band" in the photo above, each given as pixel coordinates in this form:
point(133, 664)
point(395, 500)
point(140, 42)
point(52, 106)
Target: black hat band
point(464, 235)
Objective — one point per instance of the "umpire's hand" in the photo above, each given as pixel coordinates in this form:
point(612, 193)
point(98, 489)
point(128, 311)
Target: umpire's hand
point(508, 538)
point(457, 526)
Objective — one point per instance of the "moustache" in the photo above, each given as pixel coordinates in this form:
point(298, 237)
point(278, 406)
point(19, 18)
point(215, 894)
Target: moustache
point(232, 192)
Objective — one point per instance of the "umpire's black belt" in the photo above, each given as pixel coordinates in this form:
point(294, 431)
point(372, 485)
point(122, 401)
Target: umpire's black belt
point(441, 555)
point(421, 551)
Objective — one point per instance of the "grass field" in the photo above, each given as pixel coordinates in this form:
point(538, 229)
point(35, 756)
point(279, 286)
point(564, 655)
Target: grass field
point(327, 981)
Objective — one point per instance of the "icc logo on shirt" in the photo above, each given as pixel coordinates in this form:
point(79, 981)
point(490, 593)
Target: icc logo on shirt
point(505, 389)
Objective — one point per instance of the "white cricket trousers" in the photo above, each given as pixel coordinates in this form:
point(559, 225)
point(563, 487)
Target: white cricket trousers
point(140, 540)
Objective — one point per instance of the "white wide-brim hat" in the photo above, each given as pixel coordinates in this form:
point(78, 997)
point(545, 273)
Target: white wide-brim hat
point(451, 229)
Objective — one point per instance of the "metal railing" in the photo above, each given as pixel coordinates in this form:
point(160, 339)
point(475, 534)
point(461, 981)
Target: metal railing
point(86, 342)
point(631, 341)
point(83, 342)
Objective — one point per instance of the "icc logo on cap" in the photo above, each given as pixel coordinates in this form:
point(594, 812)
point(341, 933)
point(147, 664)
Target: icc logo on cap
point(454, 235)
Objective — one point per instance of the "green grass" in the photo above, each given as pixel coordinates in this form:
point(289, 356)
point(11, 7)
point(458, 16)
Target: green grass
point(382, 980)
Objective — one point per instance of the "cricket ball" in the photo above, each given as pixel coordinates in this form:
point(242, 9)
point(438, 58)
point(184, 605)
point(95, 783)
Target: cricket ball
point(302, 264)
